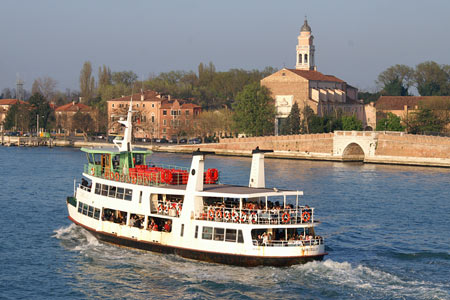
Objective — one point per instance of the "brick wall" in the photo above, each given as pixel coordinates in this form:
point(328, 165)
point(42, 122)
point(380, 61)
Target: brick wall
point(413, 146)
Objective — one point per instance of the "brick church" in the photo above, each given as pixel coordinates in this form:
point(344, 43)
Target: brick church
point(308, 87)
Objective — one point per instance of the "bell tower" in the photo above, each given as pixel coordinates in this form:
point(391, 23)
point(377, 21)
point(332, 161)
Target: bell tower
point(305, 49)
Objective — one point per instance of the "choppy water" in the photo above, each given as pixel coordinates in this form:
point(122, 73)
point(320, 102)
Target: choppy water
point(387, 230)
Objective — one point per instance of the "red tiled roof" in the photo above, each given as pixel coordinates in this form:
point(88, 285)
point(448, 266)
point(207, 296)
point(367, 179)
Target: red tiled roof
point(148, 96)
point(315, 75)
point(10, 101)
point(399, 102)
point(73, 107)
point(168, 104)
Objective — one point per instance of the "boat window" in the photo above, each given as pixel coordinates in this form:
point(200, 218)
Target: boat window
point(89, 158)
point(97, 158)
point(240, 237)
point(128, 194)
point(138, 158)
point(85, 207)
point(218, 234)
point(98, 188)
point(112, 191)
point(90, 211)
point(196, 232)
point(119, 194)
point(140, 197)
point(80, 206)
point(97, 214)
point(207, 233)
point(182, 230)
point(104, 190)
point(230, 235)
point(116, 161)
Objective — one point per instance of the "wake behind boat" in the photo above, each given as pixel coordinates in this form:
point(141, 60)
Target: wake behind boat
point(126, 200)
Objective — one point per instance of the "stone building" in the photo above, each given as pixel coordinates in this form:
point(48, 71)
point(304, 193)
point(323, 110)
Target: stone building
point(5, 105)
point(155, 115)
point(64, 116)
point(306, 86)
point(400, 106)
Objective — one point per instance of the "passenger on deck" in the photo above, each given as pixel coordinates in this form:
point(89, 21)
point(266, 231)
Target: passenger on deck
point(168, 226)
point(84, 182)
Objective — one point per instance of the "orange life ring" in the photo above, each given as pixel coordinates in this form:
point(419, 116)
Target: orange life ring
point(306, 216)
point(254, 217)
point(117, 176)
point(92, 171)
point(219, 214)
point(214, 174)
point(243, 217)
point(211, 214)
point(166, 209)
point(286, 217)
point(133, 179)
point(127, 179)
point(111, 175)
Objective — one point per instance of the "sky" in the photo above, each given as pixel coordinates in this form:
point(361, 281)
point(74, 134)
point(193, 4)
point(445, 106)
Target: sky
point(355, 40)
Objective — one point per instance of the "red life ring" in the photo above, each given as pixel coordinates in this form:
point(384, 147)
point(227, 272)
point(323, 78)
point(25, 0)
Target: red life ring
point(211, 214)
point(133, 180)
point(92, 171)
point(226, 215)
point(117, 176)
point(254, 217)
point(243, 217)
point(166, 176)
point(111, 175)
point(166, 209)
point(219, 214)
point(213, 174)
point(286, 217)
point(306, 216)
point(234, 216)
point(160, 208)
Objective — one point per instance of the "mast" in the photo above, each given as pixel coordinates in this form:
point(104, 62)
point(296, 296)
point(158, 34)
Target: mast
point(125, 143)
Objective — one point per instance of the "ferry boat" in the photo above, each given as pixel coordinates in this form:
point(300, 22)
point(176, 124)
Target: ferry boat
point(126, 200)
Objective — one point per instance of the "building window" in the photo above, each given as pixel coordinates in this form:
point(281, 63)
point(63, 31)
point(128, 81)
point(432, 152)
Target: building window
point(153, 104)
point(153, 119)
point(164, 112)
point(143, 105)
point(164, 122)
point(306, 58)
point(299, 60)
point(113, 105)
point(164, 130)
point(187, 113)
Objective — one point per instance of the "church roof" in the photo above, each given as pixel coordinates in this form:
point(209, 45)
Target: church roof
point(73, 107)
point(305, 26)
point(315, 75)
point(10, 101)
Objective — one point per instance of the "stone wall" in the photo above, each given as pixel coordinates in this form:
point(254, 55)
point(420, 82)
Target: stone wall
point(409, 145)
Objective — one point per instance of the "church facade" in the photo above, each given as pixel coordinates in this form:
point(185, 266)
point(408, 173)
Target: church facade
point(304, 85)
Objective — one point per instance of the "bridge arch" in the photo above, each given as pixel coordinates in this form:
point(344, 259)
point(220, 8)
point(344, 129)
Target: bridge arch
point(353, 152)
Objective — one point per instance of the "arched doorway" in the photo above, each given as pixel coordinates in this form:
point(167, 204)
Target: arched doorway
point(353, 152)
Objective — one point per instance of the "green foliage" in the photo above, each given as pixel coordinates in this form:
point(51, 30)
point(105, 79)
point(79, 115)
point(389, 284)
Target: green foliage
point(424, 120)
point(82, 122)
point(432, 79)
point(390, 123)
point(254, 111)
point(368, 96)
point(40, 109)
point(87, 82)
point(351, 123)
point(292, 123)
point(395, 88)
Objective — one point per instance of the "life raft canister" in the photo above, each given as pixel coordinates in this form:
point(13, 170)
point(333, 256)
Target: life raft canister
point(286, 217)
point(306, 216)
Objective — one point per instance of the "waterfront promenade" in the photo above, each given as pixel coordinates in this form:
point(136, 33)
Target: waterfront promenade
point(369, 147)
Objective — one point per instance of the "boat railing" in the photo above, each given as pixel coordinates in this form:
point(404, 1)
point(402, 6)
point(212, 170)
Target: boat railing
point(169, 208)
point(155, 175)
point(306, 241)
point(86, 188)
point(286, 216)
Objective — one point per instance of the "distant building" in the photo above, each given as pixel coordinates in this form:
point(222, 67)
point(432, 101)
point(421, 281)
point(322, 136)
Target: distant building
point(156, 115)
point(306, 86)
point(5, 106)
point(400, 106)
point(64, 115)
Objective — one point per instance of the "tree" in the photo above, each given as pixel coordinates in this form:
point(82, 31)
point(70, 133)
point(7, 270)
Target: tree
point(432, 79)
point(40, 109)
point(292, 123)
point(46, 86)
point(87, 82)
point(254, 111)
point(127, 78)
point(424, 120)
point(396, 80)
point(18, 117)
point(7, 94)
point(351, 123)
point(368, 96)
point(82, 122)
point(390, 123)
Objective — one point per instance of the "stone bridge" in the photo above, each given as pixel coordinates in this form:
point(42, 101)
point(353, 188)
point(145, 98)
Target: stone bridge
point(355, 145)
